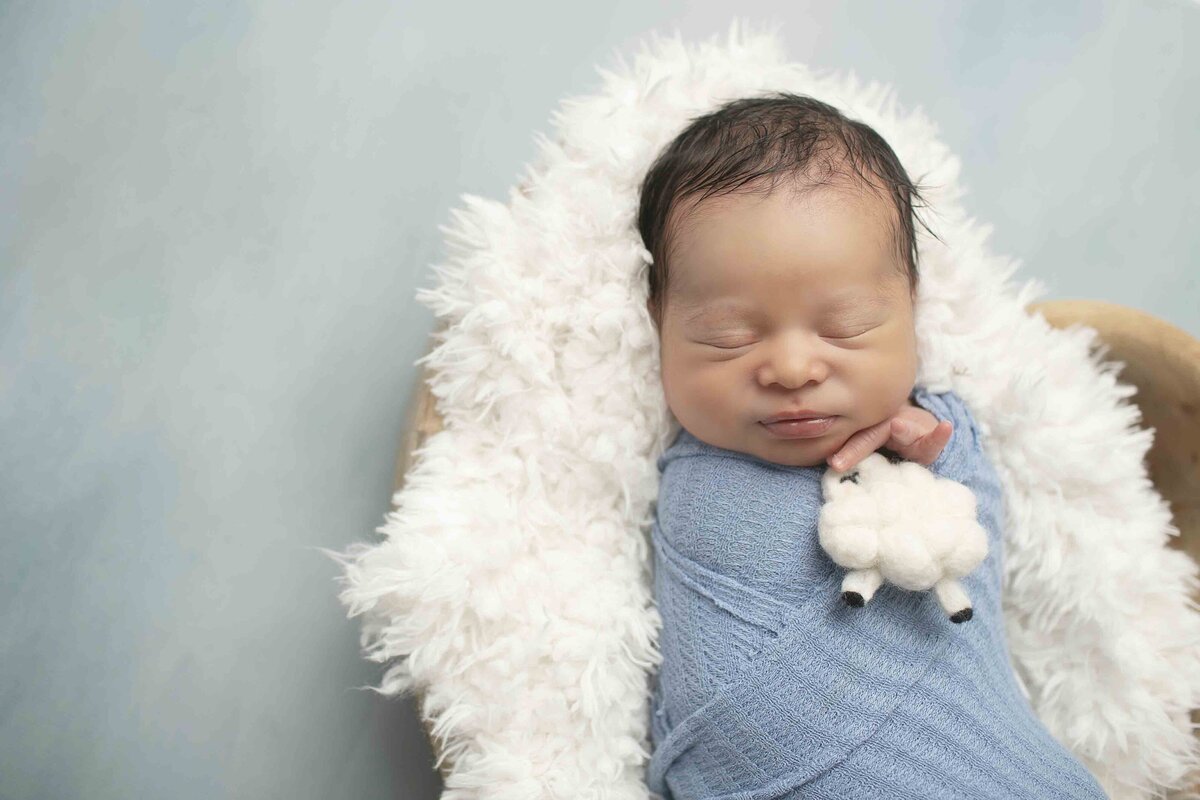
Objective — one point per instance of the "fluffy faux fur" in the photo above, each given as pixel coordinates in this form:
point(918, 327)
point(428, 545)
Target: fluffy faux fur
point(513, 585)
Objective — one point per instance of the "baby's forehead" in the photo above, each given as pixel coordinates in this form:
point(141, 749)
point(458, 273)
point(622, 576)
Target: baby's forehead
point(854, 196)
point(740, 286)
point(777, 250)
point(745, 228)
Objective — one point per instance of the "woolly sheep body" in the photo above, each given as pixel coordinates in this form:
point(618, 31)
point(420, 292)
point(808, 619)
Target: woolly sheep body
point(901, 523)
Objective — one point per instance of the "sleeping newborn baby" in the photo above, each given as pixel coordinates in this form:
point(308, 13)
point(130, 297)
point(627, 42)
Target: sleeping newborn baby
point(782, 286)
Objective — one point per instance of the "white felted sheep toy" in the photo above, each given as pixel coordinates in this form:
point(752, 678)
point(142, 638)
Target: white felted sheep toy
point(899, 522)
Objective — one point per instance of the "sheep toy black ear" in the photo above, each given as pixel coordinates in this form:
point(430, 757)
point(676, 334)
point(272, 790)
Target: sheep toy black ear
point(895, 520)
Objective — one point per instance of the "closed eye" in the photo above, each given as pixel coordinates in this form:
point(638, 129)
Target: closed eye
point(747, 344)
point(852, 336)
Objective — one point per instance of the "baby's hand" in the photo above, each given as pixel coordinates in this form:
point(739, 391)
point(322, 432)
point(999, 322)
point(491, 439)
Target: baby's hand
point(913, 433)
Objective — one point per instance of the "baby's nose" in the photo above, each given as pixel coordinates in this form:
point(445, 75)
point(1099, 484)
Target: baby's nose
point(792, 360)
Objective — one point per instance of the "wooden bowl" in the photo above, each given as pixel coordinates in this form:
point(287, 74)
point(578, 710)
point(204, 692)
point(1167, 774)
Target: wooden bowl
point(1161, 361)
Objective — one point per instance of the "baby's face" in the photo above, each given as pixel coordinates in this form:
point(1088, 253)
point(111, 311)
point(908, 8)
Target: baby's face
point(779, 304)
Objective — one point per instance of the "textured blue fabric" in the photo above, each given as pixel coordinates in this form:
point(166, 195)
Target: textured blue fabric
point(772, 687)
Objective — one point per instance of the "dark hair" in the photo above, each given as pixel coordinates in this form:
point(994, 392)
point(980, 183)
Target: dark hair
point(781, 134)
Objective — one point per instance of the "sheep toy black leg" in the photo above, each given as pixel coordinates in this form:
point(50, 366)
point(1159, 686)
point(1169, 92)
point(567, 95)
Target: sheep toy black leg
point(954, 599)
point(859, 586)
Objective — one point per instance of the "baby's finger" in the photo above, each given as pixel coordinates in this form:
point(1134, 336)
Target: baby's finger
point(932, 444)
point(860, 445)
point(903, 433)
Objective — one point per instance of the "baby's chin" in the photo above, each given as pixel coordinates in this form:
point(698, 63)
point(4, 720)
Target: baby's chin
point(811, 452)
point(796, 459)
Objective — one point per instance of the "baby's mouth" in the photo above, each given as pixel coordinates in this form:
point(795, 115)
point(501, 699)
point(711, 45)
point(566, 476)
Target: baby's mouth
point(809, 428)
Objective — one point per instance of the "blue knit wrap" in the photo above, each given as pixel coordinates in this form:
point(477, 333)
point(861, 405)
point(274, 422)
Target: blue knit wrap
point(772, 687)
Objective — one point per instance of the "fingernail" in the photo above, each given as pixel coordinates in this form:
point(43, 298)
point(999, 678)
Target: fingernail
point(838, 461)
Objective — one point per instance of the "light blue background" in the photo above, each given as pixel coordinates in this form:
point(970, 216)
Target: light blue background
point(213, 217)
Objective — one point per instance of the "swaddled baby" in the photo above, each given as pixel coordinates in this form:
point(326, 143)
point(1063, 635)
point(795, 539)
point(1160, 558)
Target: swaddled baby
point(783, 280)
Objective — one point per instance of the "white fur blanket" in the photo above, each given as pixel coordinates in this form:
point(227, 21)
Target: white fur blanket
point(513, 585)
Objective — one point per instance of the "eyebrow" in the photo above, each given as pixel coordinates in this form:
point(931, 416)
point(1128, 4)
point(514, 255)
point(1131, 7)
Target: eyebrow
point(724, 309)
point(869, 302)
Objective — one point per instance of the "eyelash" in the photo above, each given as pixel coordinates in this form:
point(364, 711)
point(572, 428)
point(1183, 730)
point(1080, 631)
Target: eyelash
point(835, 338)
